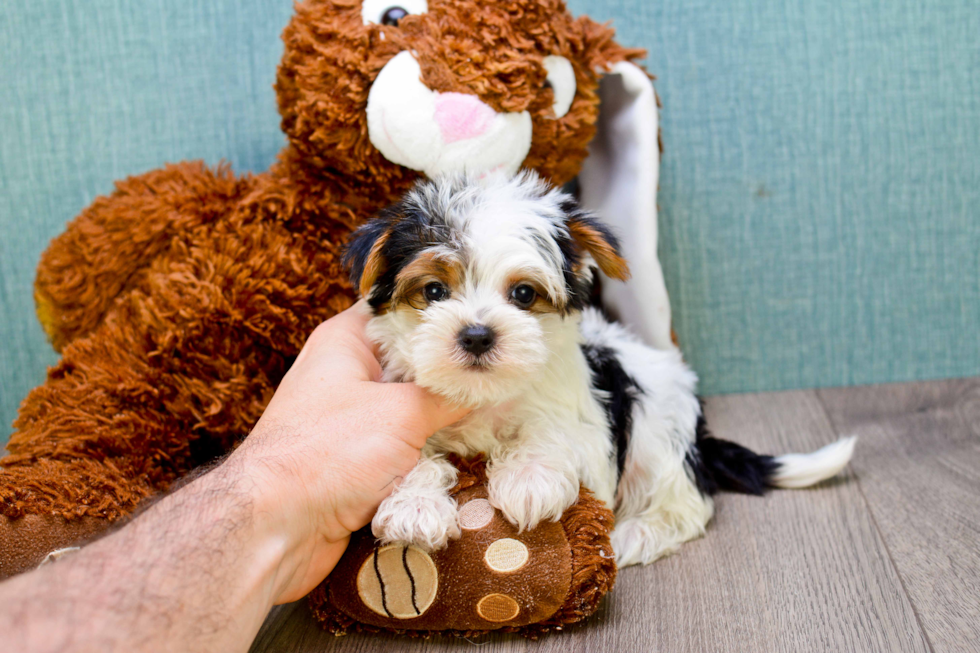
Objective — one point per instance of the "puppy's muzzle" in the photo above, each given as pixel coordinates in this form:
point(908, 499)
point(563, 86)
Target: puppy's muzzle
point(476, 339)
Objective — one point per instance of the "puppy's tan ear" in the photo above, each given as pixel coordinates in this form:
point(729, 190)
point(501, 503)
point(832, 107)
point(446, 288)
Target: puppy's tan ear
point(365, 254)
point(595, 238)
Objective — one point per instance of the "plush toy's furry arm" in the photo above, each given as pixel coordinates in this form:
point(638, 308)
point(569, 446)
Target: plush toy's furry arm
point(117, 236)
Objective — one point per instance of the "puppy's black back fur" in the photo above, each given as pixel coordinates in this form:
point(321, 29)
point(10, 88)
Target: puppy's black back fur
point(619, 395)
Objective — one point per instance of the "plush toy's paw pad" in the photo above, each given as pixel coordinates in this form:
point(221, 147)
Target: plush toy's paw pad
point(398, 581)
point(427, 522)
point(490, 577)
point(530, 494)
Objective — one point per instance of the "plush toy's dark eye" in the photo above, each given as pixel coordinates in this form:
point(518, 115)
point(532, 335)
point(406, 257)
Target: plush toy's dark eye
point(435, 291)
point(523, 295)
point(547, 84)
point(383, 12)
point(392, 15)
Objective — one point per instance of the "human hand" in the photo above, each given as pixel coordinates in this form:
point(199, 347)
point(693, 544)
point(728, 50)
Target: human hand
point(332, 444)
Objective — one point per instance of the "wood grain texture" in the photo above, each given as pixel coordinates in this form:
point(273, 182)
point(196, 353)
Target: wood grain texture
point(794, 571)
point(918, 465)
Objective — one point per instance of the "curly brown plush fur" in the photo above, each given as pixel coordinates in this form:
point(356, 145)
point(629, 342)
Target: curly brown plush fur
point(179, 301)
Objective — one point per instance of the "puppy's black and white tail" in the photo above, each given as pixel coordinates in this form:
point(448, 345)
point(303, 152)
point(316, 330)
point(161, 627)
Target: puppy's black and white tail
point(722, 465)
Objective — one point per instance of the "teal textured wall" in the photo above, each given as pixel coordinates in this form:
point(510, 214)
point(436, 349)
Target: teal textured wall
point(820, 190)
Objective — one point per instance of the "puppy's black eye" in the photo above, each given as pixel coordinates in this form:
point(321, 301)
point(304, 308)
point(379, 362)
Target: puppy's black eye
point(523, 295)
point(392, 15)
point(435, 291)
point(547, 84)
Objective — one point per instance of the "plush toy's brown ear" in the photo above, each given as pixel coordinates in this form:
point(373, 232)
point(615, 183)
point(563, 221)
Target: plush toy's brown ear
point(365, 255)
point(595, 238)
point(601, 48)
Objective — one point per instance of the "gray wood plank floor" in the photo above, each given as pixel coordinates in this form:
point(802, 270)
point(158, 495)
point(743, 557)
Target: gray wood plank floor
point(886, 558)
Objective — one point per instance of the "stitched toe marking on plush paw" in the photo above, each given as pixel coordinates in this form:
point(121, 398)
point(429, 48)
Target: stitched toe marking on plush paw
point(475, 514)
point(399, 582)
point(530, 494)
point(424, 521)
point(498, 608)
point(506, 555)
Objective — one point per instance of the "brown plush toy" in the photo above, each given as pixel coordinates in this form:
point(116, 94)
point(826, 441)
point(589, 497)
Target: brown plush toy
point(491, 578)
point(180, 300)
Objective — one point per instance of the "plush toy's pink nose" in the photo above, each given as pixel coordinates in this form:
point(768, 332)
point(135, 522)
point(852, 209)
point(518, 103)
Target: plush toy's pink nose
point(461, 116)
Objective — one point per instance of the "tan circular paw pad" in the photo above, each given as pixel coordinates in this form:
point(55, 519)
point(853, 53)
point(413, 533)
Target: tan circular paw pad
point(475, 514)
point(497, 608)
point(506, 555)
point(399, 582)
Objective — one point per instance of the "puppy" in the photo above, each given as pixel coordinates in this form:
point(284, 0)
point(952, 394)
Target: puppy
point(480, 293)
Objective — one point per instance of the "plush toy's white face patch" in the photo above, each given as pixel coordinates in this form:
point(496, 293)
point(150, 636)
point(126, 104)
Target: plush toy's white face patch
point(441, 133)
point(471, 285)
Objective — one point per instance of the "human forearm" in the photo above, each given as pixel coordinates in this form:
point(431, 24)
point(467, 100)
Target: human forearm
point(130, 590)
point(200, 569)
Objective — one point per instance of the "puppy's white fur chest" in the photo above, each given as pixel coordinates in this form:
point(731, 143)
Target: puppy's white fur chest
point(484, 430)
point(553, 417)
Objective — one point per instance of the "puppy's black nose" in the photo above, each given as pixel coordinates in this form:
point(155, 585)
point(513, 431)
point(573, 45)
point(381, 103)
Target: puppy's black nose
point(476, 339)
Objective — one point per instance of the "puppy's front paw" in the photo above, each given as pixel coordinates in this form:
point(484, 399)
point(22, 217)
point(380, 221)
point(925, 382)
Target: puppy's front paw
point(427, 521)
point(529, 494)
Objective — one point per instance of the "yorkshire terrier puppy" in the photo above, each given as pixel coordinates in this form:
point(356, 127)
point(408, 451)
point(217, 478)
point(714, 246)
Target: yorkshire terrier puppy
point(480, 292)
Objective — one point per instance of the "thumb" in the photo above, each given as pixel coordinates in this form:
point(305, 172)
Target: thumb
point(430, 412)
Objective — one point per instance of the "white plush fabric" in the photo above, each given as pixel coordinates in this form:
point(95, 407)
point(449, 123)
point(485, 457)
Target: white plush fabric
point(619, 183)
point(441, 133)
